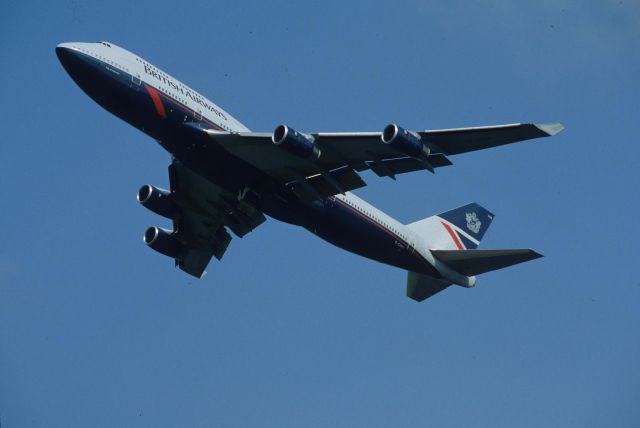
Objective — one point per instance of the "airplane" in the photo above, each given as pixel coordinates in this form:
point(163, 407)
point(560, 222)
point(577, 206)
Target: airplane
point(224, 177)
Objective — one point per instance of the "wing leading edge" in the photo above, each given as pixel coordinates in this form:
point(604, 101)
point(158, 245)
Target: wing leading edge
point(344, 154)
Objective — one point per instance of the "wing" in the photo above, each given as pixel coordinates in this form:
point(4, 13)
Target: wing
point(204, 212)
point(463, 140)
point(343, 154)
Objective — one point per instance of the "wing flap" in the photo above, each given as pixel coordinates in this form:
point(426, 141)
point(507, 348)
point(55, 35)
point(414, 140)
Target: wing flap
point(327, 184)
point(475, 262)
point(205, 212)
point(391, 167)
point(194, 261)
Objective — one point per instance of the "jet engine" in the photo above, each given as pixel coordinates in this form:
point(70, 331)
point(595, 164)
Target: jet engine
point(295, 142)
point(163, 241)
point(158, 200)
point(405, 142)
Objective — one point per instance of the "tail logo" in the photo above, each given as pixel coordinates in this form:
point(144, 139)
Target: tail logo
point(473, 222)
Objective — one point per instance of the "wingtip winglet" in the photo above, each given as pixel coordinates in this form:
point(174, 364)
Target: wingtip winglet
point(535, 254)
point(550, 129)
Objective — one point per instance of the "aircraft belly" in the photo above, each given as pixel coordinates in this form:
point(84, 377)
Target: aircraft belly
point(348, 230)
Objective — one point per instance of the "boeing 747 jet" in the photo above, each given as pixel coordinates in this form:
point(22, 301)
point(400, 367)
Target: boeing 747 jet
point(224, 177)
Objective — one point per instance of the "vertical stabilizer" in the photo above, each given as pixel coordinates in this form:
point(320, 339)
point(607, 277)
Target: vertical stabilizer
point(458, 229)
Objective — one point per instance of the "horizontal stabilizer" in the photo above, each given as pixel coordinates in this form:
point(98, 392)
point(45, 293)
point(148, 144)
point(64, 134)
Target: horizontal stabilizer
point(420, 287)
point(475, 262)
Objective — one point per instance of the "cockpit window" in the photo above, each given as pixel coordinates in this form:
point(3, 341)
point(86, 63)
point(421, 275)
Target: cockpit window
point(105, 43)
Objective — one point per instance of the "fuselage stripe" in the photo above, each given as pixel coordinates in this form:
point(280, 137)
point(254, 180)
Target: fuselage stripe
point(453, 236)
point(157, 102)
point(158, 93)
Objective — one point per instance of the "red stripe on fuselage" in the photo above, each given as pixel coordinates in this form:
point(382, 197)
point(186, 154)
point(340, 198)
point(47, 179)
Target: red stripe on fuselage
point(157, 102)
point(202, 118)
point(453, 235)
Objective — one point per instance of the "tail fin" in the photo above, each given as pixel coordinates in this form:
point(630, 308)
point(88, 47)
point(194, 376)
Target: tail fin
point(458, 229)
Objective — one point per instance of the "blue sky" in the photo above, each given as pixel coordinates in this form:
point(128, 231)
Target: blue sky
point(97, 330)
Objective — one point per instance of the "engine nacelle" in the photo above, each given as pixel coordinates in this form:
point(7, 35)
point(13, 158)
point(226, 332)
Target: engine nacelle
point(295, 143)
point(158, 200)
point(163, 241)
point(405, 142)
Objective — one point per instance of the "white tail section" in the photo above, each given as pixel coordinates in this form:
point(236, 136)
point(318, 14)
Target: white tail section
point(458, 229)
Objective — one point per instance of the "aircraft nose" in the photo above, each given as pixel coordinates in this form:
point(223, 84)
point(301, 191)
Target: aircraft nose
point(76, 64)
point(86, 71)
point(65, 53)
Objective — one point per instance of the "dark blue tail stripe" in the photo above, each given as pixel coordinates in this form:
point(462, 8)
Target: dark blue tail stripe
point(471, 218)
